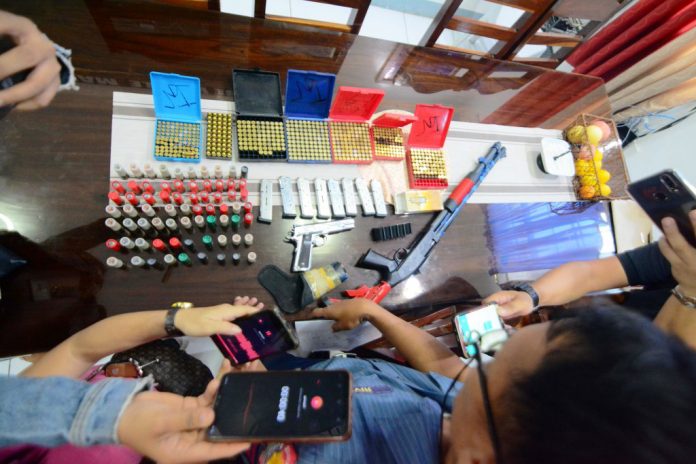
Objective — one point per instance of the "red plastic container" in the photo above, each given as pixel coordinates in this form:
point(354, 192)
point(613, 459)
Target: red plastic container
point(427, 137)
point(353, 105)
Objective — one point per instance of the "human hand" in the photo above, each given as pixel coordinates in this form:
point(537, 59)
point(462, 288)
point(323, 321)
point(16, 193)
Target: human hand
point(348, 314)
point(511, 303)
point(202, 322)
point(251, 366)
point(170, 428)
point(33, 51)
point(680, 254)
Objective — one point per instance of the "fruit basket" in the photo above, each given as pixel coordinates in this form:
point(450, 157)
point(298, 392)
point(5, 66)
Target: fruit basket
point(599, 162)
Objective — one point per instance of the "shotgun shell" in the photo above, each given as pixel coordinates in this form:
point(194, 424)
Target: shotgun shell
point(135, 170)
point(130, 224)
point(217, 198)
point(149, 172)
point(243, 194)
point(113, 244)
point(147, 187)
point(236, 239)
point(170, 210)
point(178, 173)
point(153, 263)
point(184, 259)
point(164, 196)
point(122, 173)
point(232, 173)
point(179, 186)
point(199, 221)
point(224, 221)
point(191, 173)
point(211, 221)
point(149, 199)
point(235, 220)
point(164, 172)
point(115, 198)
point(193, 198)
point(157, 223)
point(114, 262)
point(117, 186)
point(185, 222)
point(165, 187)
point(205, 198)
point(147, 210)
point(245, 172)
point(207, 186)
point(178, 198)
point(193, 186)
point(144, 224)
point(125, 242)
point(247, 207)
point(231, 185)
point(159, 245)
point(132, 199)
point(248, 219)
point(236, 258)
point(134, 187)
point(185, 209)
point(113, 211)
point(175, 243)
point(210, 209)
point(222, 240)
point(137, 261)
point(248, 239)
point(204, 172)
point(221, 259)
point(130, 211)
point(242, 184)
point(207, 241)
point(197, 210)
point(231, 195)
point(202, 257)
point(218, 171)
point(190, 244)
point(236, 207)
point(251, 257)
point(171, 224)
point(142, 244)
point(169, 260)
point(219, 186)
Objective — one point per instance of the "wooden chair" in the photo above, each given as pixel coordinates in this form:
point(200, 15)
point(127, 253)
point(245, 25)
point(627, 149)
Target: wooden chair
point(525, 30)
point(359, 10)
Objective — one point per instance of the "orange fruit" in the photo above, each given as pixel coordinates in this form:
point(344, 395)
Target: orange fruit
point(586, 192)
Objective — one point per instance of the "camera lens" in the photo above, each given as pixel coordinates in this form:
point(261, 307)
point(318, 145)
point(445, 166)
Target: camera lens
point(659, 196)
point(668, 182)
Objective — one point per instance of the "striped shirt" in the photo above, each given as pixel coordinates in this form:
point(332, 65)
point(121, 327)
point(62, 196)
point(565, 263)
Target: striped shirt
point(396, 415)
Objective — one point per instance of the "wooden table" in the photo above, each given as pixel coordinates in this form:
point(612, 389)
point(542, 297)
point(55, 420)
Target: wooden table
point(54, 163)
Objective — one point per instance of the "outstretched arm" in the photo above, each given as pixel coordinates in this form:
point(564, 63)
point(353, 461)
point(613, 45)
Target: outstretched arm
point(564, 284)
point(78, 353)
point(420, 349)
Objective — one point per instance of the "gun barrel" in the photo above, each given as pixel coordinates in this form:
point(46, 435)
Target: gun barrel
point(323, 227)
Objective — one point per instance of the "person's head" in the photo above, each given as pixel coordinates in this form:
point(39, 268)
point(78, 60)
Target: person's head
point(602, 386)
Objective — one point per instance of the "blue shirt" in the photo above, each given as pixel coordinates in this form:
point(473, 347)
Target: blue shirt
point(396, 415)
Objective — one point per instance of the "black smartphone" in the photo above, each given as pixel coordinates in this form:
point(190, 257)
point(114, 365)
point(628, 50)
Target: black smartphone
point(294, 406)
point(263, 334)
point(666, 194)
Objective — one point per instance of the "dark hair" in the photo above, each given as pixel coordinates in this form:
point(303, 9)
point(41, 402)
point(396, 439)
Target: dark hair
point(612, 389)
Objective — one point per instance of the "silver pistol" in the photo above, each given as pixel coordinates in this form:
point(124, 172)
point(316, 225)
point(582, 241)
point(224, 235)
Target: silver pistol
point(307, 236)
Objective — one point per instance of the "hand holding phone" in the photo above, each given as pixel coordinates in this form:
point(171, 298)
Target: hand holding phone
point(263, 333)
point(293, 406)
point(482, 325)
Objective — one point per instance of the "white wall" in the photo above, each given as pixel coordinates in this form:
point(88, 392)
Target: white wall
point(673, 148)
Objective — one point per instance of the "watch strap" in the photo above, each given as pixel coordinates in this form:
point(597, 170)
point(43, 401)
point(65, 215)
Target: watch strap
point(169, 326)
point(688, 301)
point(529, 290)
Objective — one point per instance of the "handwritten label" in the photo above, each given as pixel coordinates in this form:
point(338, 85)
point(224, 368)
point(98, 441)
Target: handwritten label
point(176, 97)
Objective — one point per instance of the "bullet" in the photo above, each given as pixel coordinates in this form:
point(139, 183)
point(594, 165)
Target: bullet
point(217, 198)
point(171, 224)
point(130, 211)
point(112, 211)
point(165, 187)
point(190, 244)
point(222, 241)
point(236, 207)
point(248, 239)
point(231, 195)
point(178, 198)
point(114, 262)
point(147, 210)
point(207, 186)
point(199, 221)
point(236, 258)
point(185, 209)
point(169, 260)
point(202, 257)
point(129, 224)
point(219, 186)
point(179, 186)
point(205, 198)
point(116, 198)
point(137, 261)
point(185, 223)
point(218, 171)
point(251, 257)
point(221, 259)
point(247, 207)
point(193, 186)
point(144, 224)
point(224, 221)
point(112, 244)
point(175, 243)
point(149, 199)
point(157, 223)
point(178, 173)
point(147, 187)
point(142, 244)
point(134, 187)
point(248, 219)
point(117, 186)
point(184, 259)
point(159, 245)
point(207, 241)
point(125, 242)
point(191, 173)
point(170, 210)
point(122, 173)
point(153, 263)
point(236, 239)
point(224, 208)
point(245, 172)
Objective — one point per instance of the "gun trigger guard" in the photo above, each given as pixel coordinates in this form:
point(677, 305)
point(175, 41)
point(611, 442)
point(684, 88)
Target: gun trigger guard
point(400, 254)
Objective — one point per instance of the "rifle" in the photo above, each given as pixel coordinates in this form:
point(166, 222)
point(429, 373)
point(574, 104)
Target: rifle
point(395, 270)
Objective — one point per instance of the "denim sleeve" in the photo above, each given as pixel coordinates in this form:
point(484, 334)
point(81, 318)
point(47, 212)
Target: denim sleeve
point(55, 410)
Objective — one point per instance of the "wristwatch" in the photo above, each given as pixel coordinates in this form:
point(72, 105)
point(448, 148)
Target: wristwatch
point(529, 290)
point(169, 326)
point(688, 301)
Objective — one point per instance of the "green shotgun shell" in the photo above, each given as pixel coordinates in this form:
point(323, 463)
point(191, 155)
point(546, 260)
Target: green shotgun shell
point(207, 241)
point(184, 259)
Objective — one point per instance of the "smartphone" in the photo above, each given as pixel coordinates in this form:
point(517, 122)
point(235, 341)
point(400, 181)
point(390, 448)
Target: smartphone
point(667, 194)
point(263, 334)
point(482, 323)
point(294, 406)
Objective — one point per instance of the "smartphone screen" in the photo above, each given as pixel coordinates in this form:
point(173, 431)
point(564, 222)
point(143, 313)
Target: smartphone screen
point(263, 334)
point(483, 323)
point(292, 405)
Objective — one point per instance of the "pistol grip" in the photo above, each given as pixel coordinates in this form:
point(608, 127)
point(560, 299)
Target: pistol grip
point(377, 262)
point(302, 260)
